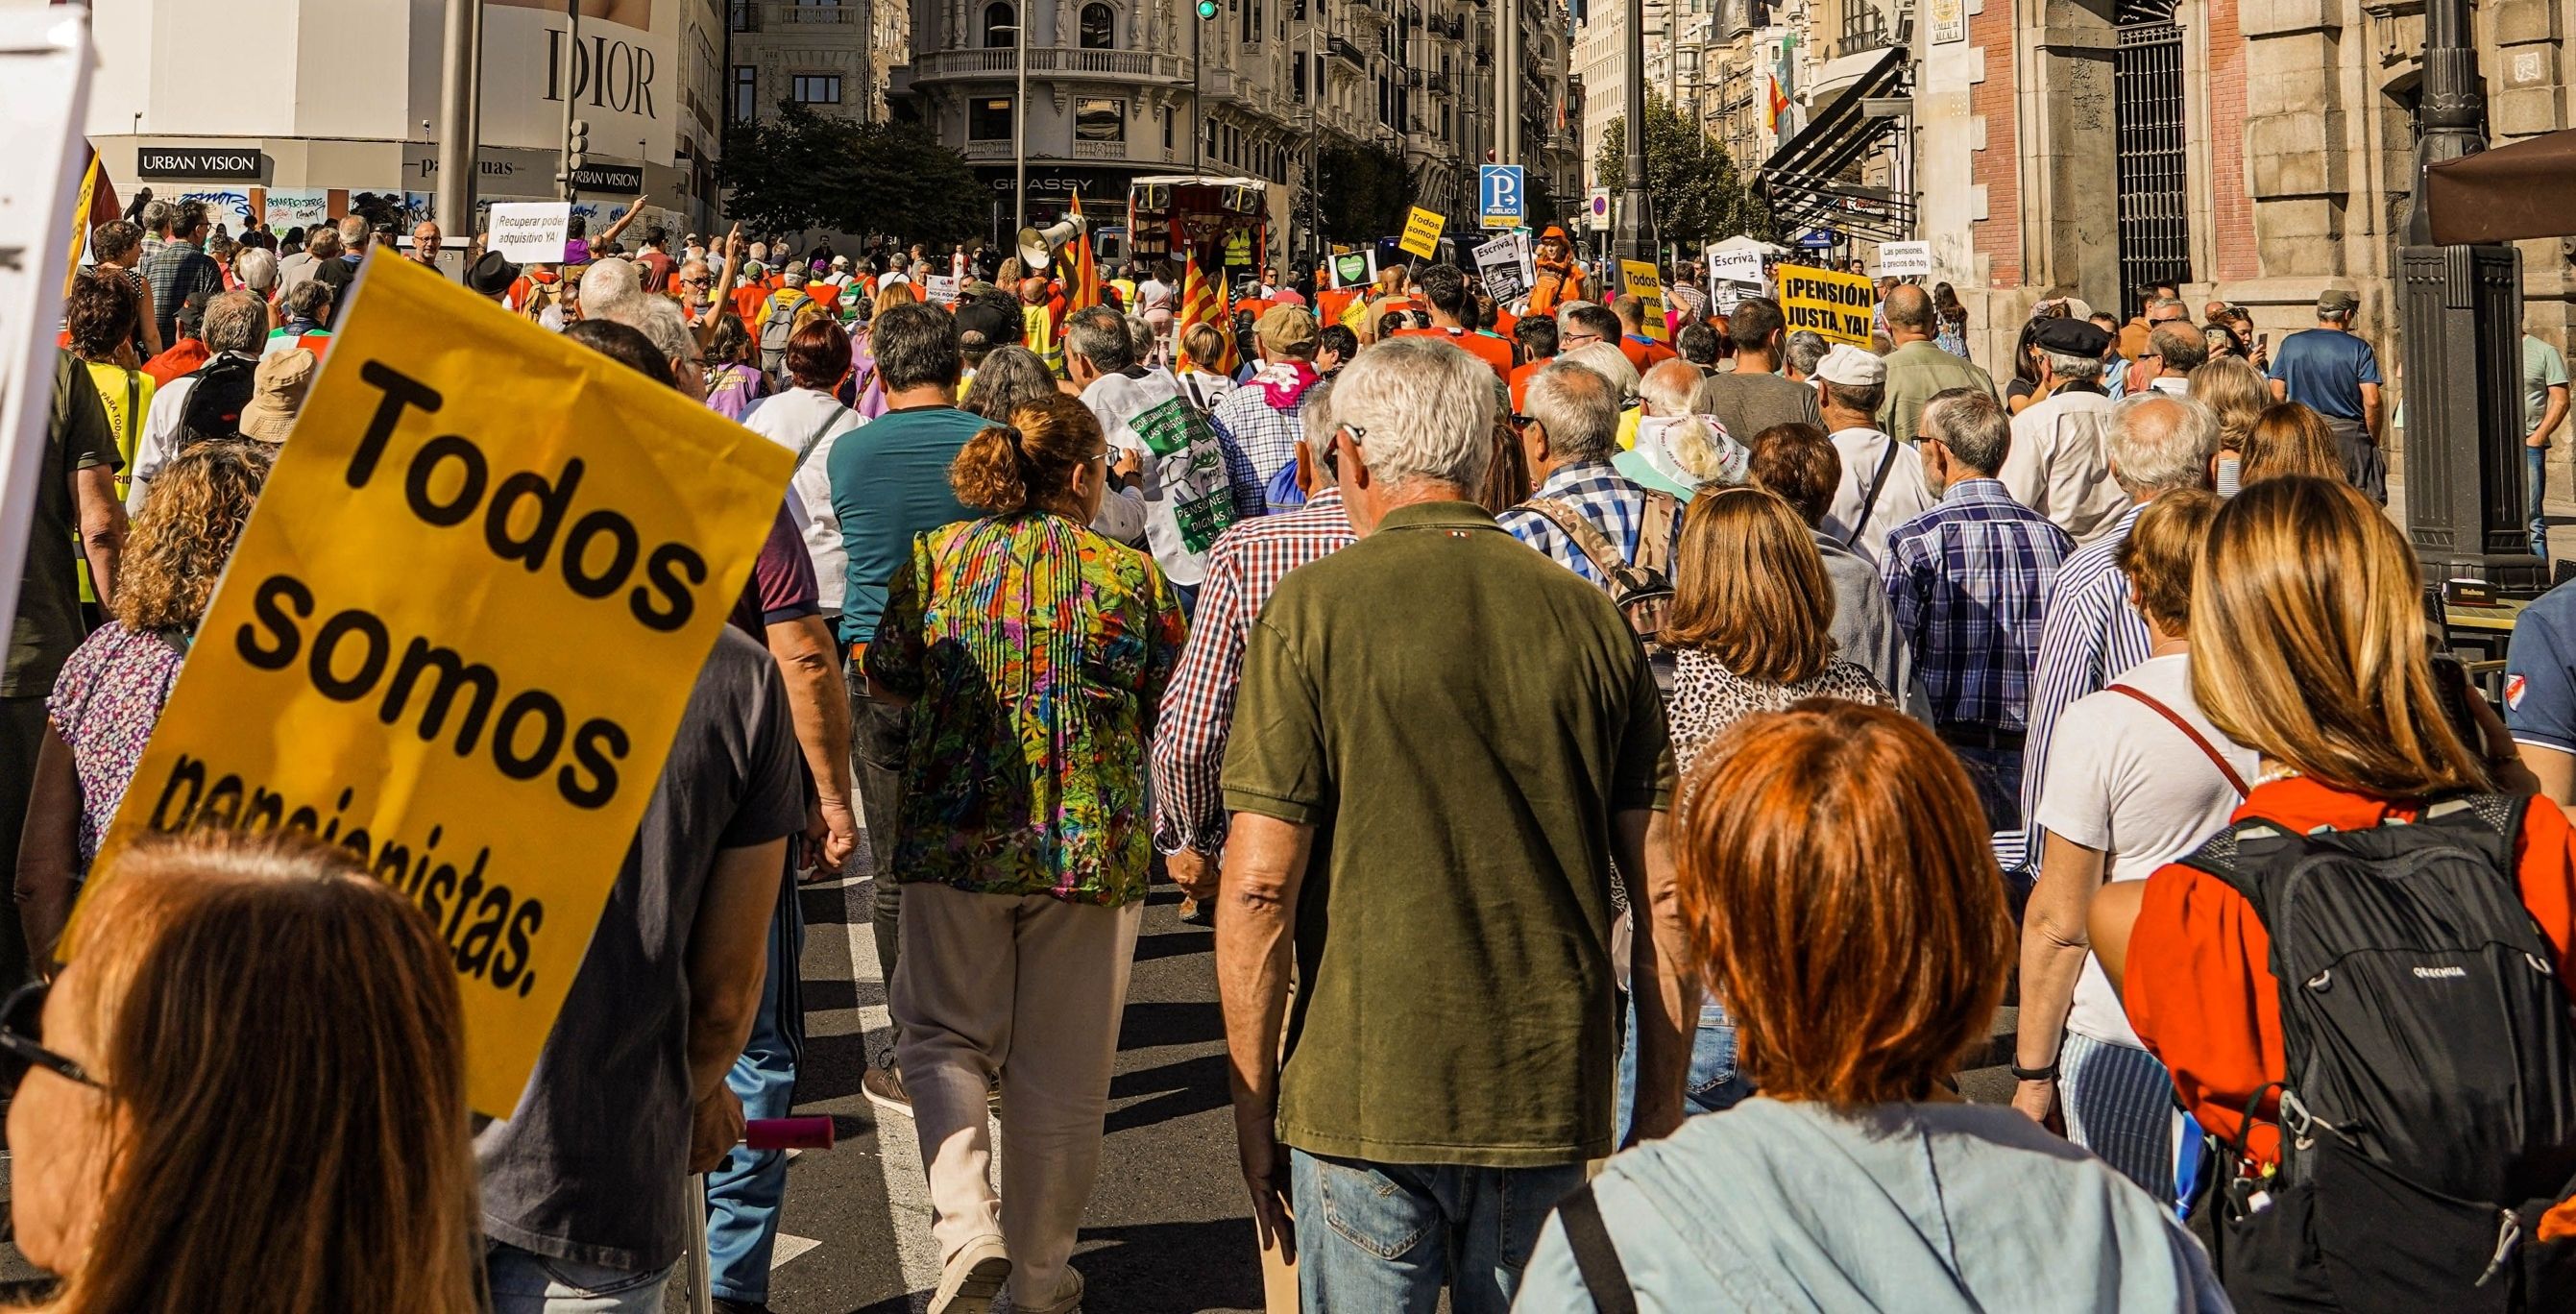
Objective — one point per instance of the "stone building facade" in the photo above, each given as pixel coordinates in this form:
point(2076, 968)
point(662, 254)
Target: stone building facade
point(2252, 151)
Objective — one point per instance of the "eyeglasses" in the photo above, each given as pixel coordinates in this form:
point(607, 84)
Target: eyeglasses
point(1582, 337)
point(2151, 355)
point(1520, 422)
point(2169, 319)
point(21, 1024)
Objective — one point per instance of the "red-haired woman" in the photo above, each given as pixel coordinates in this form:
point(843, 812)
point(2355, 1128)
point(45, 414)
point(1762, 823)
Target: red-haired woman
point(1849, 911)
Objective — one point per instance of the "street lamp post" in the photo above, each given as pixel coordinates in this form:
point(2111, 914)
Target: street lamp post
point(1636, 225)
point(459, 120)
point(2460, 321)
point(1020, 121)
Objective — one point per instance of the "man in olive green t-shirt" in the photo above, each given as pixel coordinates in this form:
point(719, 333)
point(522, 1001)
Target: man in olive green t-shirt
point(1441, 741)
point(1917, 369)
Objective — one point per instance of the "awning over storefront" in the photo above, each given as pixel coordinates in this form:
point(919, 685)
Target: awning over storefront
point(1807, 181)
point(2527, 189)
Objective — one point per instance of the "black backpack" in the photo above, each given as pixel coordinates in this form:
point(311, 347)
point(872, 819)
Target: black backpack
point(214, 406)
point(2428, 1117)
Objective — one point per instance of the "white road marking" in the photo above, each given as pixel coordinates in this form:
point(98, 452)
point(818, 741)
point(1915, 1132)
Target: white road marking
point(907, 1192)
point(789, 1247)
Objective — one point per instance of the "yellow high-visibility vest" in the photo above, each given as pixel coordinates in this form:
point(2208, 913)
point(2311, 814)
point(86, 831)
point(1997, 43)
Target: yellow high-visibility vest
point(1238, 248)
point(1037, 333)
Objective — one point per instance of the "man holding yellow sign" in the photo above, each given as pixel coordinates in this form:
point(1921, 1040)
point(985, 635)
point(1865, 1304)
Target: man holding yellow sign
point(466, 638)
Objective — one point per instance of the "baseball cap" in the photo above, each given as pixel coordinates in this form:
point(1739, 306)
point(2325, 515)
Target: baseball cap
point(1288, 328)
point(1854, 368)
point(992, 325)
point(2336, 301)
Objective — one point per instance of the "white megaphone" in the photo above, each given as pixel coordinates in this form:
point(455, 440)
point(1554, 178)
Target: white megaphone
point(1039, 245)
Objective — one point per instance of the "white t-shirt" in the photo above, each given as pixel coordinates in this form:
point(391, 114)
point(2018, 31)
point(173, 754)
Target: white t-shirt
point(2123, 780)
point(789, 419)
point(1905, 495)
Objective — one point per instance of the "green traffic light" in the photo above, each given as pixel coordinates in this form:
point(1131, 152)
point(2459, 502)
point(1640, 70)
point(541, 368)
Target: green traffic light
point(1207, 10)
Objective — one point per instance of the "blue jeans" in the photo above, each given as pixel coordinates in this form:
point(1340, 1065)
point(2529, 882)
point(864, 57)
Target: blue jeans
point(1387, 1237)
point(744, 1192)
point(2535, 477)
point(1714, 1083)
point(1996, 772)
point(525, 1283)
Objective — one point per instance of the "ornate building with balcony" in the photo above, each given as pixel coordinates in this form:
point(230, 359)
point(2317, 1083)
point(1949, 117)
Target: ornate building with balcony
point(818, 53)
point(1123, 88)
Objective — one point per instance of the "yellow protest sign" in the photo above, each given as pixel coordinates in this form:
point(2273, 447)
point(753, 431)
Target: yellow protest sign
point(1836, 305)
point(1646, 283)
point(459, 634)
point(1421, 233)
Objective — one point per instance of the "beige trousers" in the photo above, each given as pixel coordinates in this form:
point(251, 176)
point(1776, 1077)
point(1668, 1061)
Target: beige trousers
point(1031, 988)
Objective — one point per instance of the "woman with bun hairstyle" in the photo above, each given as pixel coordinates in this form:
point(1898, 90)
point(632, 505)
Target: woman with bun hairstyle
point(1032, 653)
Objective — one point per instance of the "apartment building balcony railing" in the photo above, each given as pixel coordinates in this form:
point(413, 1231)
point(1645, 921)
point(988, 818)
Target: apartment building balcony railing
point(777, 16)
point(1141, 65)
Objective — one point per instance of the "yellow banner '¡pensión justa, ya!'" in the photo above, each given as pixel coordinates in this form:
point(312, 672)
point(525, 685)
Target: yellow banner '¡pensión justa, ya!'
point(1838, 306)
point(459, 634)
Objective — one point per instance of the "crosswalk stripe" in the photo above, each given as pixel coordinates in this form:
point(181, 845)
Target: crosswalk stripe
point(907, 1194)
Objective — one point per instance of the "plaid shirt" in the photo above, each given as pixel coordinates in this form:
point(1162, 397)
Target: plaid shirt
point(1966, 580)
point(2090, 635)
point(1243, 567)
point(177, 272)
point(1612, 502)
point(1266, 435)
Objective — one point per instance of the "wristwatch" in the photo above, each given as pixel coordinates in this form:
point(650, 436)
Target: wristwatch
point(2048, 1073)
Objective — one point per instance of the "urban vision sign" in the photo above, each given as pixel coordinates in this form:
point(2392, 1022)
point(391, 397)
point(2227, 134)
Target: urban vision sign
point(198, 162)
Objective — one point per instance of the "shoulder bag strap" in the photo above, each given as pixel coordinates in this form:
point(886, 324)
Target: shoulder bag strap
point(1869, 502)
point(1592, 543)
point(1655, 533)
point(1594, 1256)
point(2189, 731)
point(815, 437)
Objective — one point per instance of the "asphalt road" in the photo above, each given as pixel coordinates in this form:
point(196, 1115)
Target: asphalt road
point(1167, 1231)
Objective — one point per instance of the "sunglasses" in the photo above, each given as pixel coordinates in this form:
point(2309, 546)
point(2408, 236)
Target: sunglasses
point(21, 1026)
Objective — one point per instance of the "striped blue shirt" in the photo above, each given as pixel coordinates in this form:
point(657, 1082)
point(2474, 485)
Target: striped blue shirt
point(1966, 580)
point(2091, 634)
point(1612, 503)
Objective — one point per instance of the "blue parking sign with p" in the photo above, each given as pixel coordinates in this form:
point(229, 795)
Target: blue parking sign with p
point(1503, 200)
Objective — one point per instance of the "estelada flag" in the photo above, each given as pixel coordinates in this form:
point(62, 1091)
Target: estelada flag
point(1083, 289)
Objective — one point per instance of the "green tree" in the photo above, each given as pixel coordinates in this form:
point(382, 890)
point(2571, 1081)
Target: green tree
point(1690, 179)
point(1366, 191)
point(803, 170)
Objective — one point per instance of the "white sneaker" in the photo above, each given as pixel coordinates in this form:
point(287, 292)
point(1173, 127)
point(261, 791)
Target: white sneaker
point(1068, 1296)
point(972, 1278)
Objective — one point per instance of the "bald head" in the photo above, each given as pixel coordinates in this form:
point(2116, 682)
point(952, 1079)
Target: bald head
point(2159, 442)
point(1909, 311)
point(1033, 290)
point(1667, 388)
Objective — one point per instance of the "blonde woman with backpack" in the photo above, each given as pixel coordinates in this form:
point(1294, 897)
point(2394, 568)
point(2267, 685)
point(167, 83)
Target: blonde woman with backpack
point(2359, 986)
